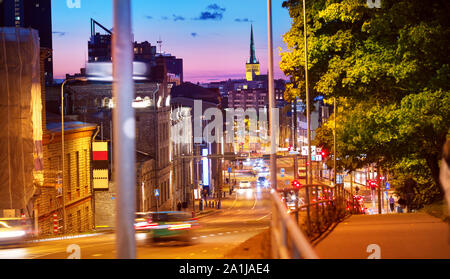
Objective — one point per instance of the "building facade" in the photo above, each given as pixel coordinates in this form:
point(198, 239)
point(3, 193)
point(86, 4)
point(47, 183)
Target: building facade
point(36, 14)
point(69, 198)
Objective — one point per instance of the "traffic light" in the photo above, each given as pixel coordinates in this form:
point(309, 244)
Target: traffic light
point(324, 153)
point(296, 184)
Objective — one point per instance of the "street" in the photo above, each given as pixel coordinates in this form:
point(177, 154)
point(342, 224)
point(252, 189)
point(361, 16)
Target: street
point(242, 216)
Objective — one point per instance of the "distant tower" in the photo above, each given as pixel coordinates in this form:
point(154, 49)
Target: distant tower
point(252, 66)
point(160, 42)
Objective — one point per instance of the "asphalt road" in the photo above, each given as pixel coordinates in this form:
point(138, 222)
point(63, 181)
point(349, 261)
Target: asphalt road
point(242, 216)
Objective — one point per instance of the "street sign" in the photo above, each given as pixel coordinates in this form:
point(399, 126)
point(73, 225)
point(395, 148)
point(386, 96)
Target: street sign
point(229, 170)
point(304, 150)
point(156, 193)
point(313, 151)
point(283, 171)
point(388, 186)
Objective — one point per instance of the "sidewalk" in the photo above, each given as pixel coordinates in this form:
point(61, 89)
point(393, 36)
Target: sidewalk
point(399, 236)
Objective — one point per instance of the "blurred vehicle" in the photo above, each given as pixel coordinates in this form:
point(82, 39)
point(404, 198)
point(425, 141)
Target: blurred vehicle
point(244, 185)
point(15, 230)
point(264, 171)
point(290, 199)
point(359, 207)
point(166, 225)
point(245, 188)
point(262, 182)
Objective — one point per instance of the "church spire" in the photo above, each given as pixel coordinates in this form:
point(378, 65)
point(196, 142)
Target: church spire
point(252, 67)
point(252, 49)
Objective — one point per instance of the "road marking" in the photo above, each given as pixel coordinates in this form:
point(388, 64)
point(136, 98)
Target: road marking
point(228, 232)
point(236, 231)
point(220, 233)
point(97, 255)
point(263, 217)
point(192, 254)
point(194, 238)
point(256, 200)
point(212, 235)
point(203, 236)
point(204, 251)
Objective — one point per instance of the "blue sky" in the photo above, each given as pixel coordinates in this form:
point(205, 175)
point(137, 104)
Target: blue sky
point(212, 36)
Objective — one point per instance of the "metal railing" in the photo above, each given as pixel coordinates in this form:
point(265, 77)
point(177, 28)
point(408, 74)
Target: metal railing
point(319, 206)
point(287, 240)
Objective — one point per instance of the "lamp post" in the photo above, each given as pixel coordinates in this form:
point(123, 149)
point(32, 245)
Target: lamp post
point(124, 130)
point(273, 148)
point(308, 120)
point(63, 147)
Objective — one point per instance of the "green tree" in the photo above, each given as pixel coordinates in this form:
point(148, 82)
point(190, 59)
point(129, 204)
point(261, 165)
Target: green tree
point(392, 67)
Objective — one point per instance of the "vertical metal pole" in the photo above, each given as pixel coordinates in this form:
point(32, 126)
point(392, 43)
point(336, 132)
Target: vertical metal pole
point(272, 111)
point(308, 106)
point(63, 156)
point(124, 130)
point(380, 208)
point(295, 140)
point(308, 120)
point(334, 140)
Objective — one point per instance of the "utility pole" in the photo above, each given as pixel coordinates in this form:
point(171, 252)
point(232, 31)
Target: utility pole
point(308, 158)
point(334, 140)
point(124, 130)
point(272, 110)
point(308, 105)
point(380, 206)
point(295, 140)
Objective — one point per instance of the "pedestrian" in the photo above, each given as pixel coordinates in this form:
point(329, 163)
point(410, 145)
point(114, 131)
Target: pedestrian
point(179, 206)
point(392, 203)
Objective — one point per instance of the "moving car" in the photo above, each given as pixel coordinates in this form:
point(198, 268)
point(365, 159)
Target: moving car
point(15, 230)
point(262, 182)
point(166, 225)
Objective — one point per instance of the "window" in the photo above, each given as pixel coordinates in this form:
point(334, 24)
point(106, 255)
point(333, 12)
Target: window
point(79, 221)
point(68, 186)
point(77, 158)
point(86, 172)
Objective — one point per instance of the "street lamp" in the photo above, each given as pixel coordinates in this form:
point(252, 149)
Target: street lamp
point(62, 146)
point(273, 148)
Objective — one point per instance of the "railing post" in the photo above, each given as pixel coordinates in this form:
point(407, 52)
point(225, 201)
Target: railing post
point(308, 217)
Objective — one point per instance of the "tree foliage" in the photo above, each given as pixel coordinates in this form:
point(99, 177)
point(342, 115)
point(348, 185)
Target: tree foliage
point(392, 69)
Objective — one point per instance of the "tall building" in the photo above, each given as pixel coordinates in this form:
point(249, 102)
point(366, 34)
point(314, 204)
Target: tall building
point(36, 14)
point(174, 66)
point(99, 45)
point(252, 66)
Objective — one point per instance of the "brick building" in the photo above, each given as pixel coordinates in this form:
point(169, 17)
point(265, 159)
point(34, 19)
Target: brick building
point(77, 179)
